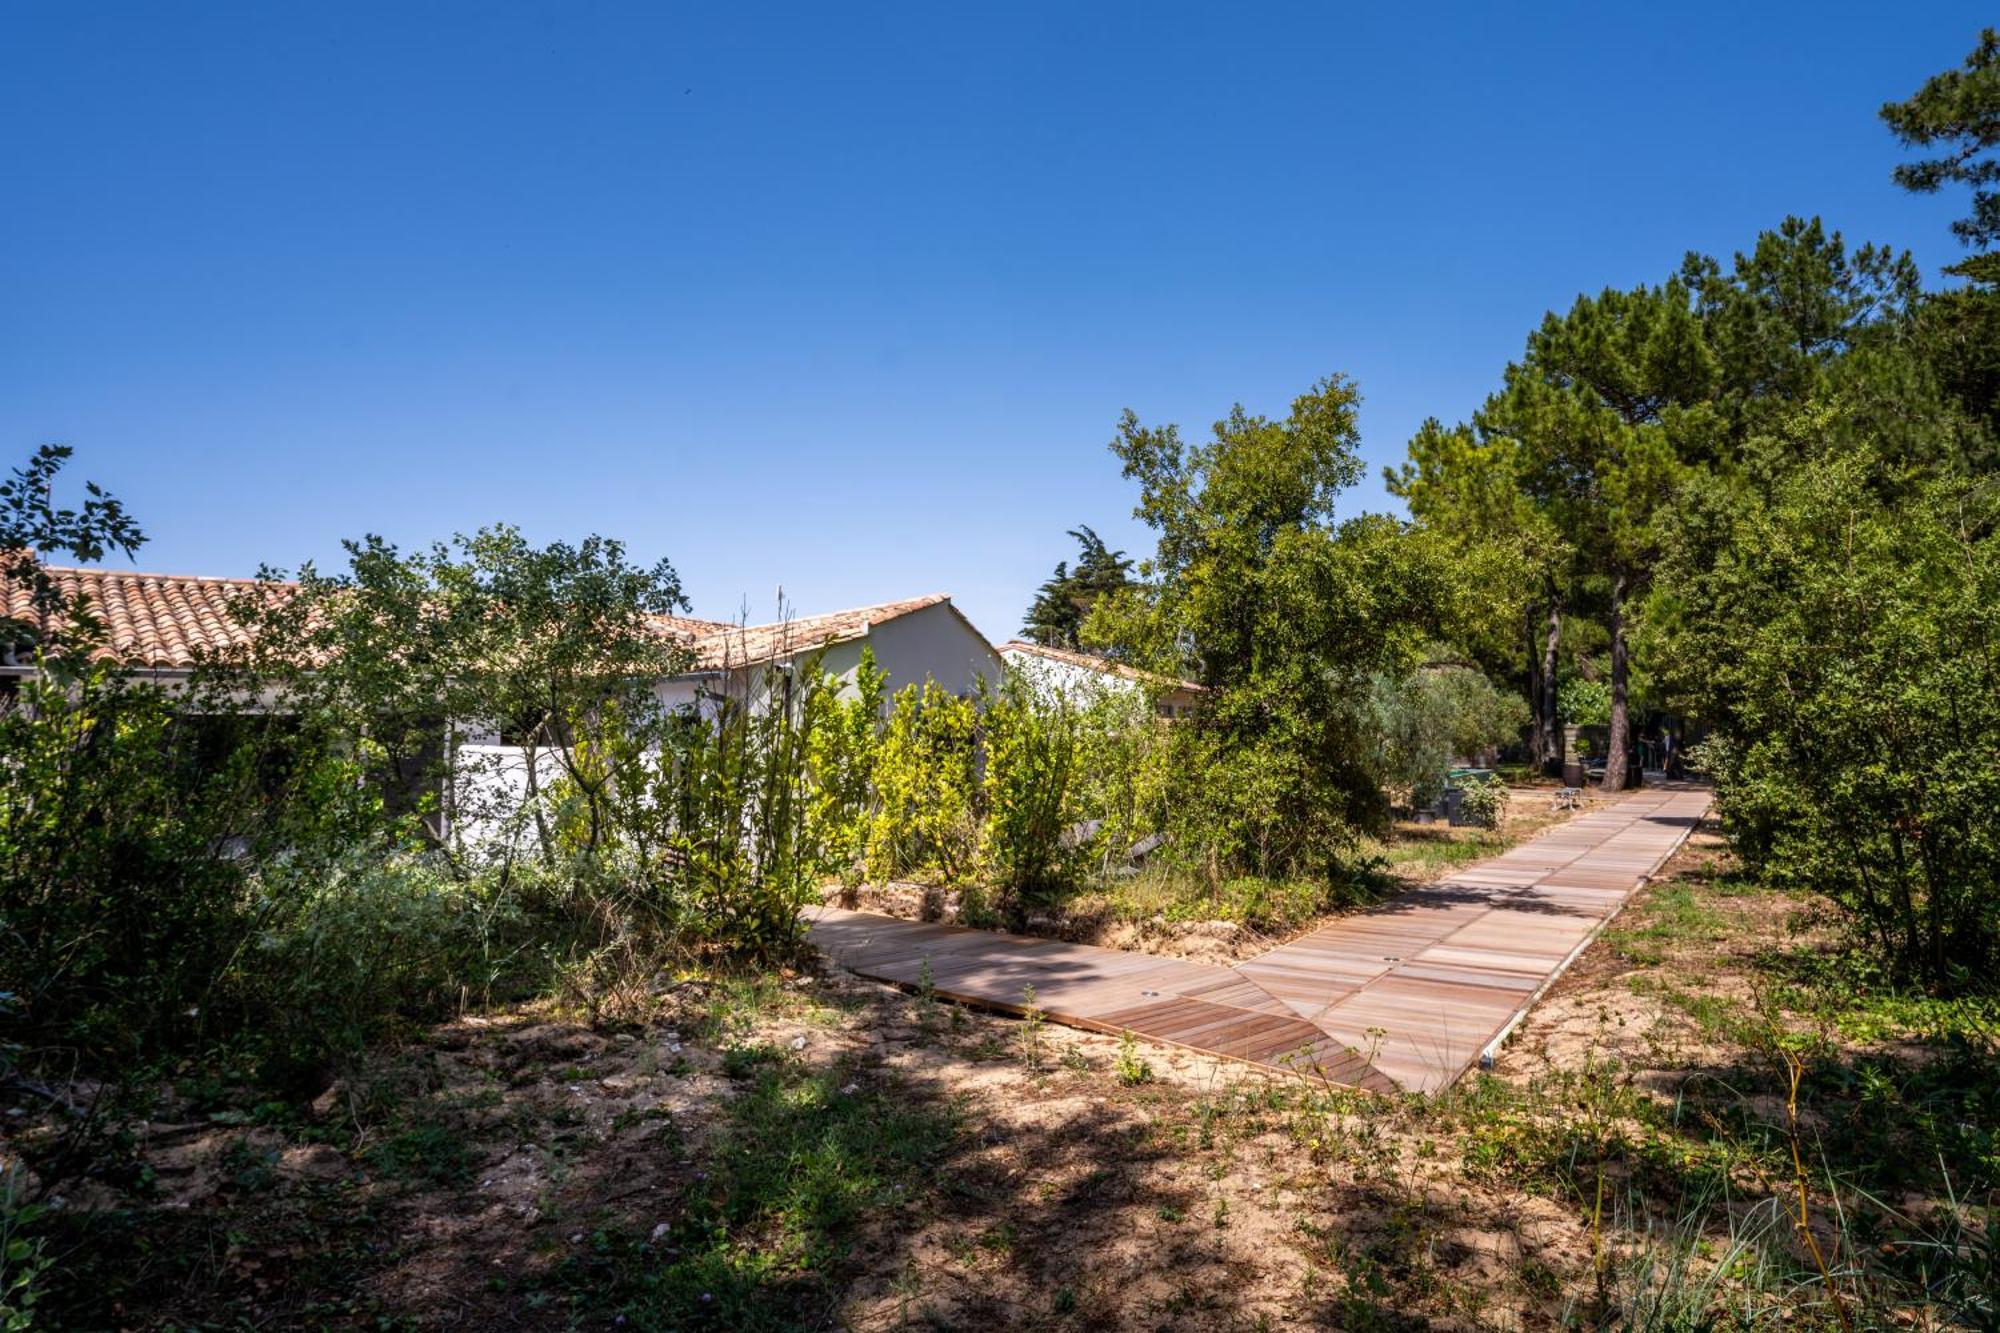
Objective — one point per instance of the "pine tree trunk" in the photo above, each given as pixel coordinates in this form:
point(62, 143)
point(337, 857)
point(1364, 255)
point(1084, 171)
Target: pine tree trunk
point(1539, 722)
point(1551, 709)
point(1615, 768)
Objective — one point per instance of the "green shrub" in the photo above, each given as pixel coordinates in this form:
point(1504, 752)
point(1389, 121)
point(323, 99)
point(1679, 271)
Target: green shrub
point(381, 936)
point(133, 831)
point(1483, 801)
point(24, 1258)
point(1849, 651)
point(719, 822)
point(1123, 770)
point(1029, 748)
point(927, 789)
point(843, 738)
point(1434, 717)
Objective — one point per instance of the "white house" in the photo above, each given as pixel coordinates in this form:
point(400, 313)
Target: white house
point(158, 626)
point(1079, 675)
point(914, 640)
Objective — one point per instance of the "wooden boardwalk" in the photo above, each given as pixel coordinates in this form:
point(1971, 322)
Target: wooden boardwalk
point(1404, 997)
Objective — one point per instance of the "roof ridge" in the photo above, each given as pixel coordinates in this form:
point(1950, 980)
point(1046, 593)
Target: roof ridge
point(107, 572)
point(912, 603)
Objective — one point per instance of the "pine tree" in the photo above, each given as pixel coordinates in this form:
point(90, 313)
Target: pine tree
point(1061, 605)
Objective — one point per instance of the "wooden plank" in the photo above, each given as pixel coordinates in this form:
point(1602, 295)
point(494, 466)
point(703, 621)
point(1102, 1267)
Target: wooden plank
point(1403, 997)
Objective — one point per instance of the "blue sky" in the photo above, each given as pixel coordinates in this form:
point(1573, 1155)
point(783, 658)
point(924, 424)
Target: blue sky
point(847, 298)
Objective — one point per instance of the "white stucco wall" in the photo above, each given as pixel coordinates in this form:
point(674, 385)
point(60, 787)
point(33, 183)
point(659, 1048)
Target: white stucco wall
point(489, 788)
point(932, 644)
point(1079, 684)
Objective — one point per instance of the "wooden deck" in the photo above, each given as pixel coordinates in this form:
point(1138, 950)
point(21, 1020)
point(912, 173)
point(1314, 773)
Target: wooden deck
point(1405, 997)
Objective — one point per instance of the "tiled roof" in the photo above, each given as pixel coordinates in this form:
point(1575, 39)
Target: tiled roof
point(168, 621)
point(735, 646)
point(689, 627)
point(154, 621)
point(1102, 665)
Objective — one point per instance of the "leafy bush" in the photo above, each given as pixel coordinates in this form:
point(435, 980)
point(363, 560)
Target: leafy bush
point(843, 736)
point(1123, 770)
point(1436, 716)
point(379, 936)
point(1850, 653)
point(295, 850)
point(133, 829)
point(1030, 747)
point(1483, 801)
point(24, 1257)
point(927, 786)
point(719, 819)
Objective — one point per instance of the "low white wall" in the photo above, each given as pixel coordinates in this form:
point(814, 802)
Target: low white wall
point(489, 791)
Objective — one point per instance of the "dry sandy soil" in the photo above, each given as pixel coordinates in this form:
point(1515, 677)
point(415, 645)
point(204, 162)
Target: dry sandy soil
point(521, 1172)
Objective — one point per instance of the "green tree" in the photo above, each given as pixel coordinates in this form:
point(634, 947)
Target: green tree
point(1468, 488)
point(36, 616)
point(1958, 331)
point(555, 648)
point(1848, 652)
point(1439, 714)
point(1788, 313)
point(1064, 602)
point(1255, 591)
point(1603, 408)
point(1959, 110)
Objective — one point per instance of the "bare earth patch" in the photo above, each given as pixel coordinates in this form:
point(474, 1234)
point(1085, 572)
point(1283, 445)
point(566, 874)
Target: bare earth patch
point(517, 1171)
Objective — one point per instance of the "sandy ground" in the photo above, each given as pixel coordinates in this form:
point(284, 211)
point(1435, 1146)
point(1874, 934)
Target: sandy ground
point(1209, 1196)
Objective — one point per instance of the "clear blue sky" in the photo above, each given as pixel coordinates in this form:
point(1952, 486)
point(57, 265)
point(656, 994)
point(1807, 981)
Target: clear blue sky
point(847, 298)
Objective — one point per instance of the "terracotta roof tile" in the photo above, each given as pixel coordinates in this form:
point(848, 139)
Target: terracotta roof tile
point(155, 621)
point(168, 621)
point(735, 646)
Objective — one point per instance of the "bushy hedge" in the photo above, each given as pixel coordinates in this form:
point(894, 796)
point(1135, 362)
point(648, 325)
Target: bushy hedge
point(1849, 651)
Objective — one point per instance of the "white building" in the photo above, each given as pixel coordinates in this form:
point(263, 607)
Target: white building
point(159, 626)
point(914, 640)
point(1080, 676)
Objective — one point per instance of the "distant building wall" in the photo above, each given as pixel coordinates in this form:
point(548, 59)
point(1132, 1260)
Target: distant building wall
point(1080, 682)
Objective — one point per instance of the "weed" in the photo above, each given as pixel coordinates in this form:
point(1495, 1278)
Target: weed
point(23, 1259)
point(760, 1241)
point(1132, 1067)
point(1031, 1030)
point(743, 1060)
point(428, 1154)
